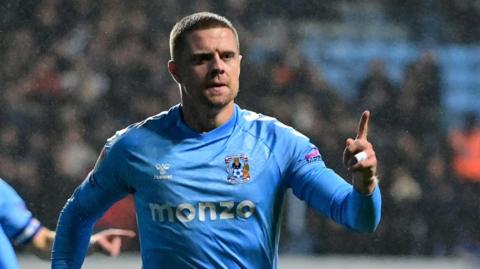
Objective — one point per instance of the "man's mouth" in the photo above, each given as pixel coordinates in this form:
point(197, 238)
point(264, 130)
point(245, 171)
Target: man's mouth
point(216, 88)
point(216, 85)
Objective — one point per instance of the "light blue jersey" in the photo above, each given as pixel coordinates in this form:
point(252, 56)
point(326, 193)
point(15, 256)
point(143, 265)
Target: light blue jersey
point(211, 200)
point(17, 226)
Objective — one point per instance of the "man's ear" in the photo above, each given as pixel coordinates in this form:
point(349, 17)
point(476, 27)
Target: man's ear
point(240, 61)
point(173, 70)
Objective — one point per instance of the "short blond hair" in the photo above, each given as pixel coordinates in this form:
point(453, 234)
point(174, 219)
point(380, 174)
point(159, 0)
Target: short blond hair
point(196, 21)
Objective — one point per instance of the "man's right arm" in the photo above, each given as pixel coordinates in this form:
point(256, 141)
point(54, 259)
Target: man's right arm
point(99, 191)
point(76, 222)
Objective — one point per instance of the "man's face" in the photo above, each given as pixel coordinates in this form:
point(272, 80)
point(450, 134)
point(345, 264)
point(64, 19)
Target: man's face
point(208, 68)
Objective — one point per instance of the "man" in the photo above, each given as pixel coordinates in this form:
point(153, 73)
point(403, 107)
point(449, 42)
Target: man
point(465, 144)
point(192, 211)
point(18, 226)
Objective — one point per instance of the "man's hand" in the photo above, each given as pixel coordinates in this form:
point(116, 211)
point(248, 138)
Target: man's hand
point(41, 244)
point(365, 169)
point(110, 240)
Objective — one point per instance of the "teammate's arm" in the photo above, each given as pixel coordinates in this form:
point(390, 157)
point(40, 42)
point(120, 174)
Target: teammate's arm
point(42, 242)
point(27, 232)
point(107, 241)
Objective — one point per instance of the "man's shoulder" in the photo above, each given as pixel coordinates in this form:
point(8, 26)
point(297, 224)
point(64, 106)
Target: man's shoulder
point(266, 126)
point(139, 131)
point(251, 119)
point(8, 195)
point(5, 188)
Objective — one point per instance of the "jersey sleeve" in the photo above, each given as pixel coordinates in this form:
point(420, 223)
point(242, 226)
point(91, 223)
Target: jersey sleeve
point(17, 221)
point(99, 191)
point(328, 193)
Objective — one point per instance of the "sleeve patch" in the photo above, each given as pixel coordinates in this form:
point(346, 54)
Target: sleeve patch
point(313, 155)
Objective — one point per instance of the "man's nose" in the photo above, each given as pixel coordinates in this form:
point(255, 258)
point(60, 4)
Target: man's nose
point(217, 65)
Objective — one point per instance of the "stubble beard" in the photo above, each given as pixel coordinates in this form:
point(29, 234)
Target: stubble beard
point(207, 104)
point(216, 104)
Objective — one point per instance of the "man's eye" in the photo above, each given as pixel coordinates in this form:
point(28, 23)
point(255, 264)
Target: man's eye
point(228, 55)
point(200, 59)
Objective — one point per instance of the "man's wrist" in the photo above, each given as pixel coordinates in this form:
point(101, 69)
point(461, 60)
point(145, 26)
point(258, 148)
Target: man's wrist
point(365, 186)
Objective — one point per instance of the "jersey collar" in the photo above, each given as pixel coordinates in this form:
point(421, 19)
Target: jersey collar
point(219, 132)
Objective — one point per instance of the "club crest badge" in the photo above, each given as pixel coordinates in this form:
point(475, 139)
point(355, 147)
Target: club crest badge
point(238, 169)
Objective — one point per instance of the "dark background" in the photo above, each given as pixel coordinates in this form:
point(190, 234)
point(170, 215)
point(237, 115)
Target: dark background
point(74, 72)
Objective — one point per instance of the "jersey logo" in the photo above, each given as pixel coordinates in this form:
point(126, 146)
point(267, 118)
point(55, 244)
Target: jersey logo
point(163, 171)
point(238, 169)
point(202, 211)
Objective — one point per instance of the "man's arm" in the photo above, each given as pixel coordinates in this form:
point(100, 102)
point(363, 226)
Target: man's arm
point(76, 222)
point(359, 158)
point(358, 207)
point(103, 187)
point(332, 196)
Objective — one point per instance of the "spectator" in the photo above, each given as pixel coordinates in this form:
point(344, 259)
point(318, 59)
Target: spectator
point(465, 143)
point(465, 163)
point(376, 92)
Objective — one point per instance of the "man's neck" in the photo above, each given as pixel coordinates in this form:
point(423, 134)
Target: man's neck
point(203, 119)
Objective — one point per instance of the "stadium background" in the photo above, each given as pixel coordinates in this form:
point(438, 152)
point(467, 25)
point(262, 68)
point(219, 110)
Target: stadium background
point(75, 71)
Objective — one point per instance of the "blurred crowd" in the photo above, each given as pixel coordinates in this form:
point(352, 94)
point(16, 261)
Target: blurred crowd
point(74, 72)
point(444, 20)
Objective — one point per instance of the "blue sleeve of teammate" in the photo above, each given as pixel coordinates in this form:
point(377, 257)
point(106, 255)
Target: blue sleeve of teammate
point(17, 221)
point(99, 191)
point(328, 193)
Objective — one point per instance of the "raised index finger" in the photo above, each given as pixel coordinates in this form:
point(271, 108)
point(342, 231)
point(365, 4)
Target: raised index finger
point(363, 125)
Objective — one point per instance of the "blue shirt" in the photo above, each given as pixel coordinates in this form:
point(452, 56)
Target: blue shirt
point(211, 200)
point(17, 226)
